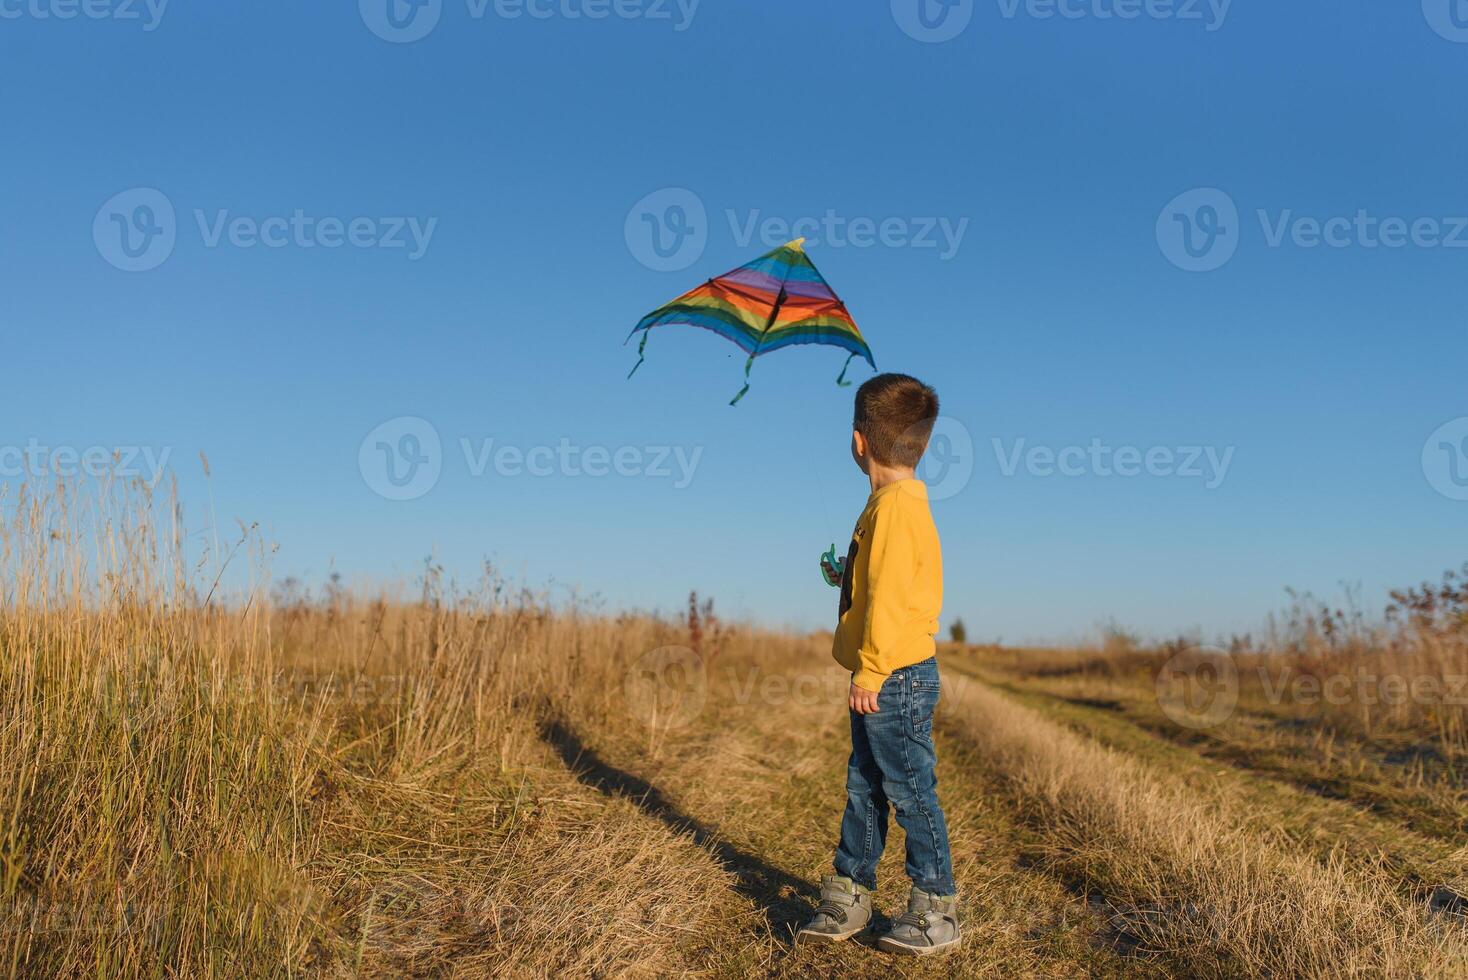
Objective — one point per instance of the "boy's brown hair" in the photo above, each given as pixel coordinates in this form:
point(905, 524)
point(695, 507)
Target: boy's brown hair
point(895, 414)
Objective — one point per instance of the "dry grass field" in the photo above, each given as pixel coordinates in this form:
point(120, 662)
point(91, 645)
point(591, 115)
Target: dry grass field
point(471, 783)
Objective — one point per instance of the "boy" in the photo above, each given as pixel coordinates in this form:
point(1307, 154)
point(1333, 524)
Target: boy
point(891, 591)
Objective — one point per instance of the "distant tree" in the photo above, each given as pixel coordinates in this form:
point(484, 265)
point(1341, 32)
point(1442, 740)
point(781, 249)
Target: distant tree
point(957, 633)
point(1117, 640)
point(704, 625)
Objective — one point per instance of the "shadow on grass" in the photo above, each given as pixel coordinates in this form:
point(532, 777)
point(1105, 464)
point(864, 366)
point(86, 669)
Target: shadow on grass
point(786, 899)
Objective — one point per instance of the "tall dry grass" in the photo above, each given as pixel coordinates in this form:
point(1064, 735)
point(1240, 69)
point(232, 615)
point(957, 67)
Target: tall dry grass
point(200, 776)
point(1404, 672)
point(199, 780)
point(1400, 676)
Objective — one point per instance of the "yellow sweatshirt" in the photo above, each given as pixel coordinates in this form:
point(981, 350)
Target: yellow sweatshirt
point(892, 590)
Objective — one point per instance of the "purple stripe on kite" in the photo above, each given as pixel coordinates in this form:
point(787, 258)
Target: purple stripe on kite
point(812, 290)
point(767, 283)
point(754, 280)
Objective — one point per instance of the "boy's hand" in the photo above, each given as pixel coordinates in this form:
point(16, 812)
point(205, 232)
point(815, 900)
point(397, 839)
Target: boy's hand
point(862, 701)
point(832, 568)
point(831, 573)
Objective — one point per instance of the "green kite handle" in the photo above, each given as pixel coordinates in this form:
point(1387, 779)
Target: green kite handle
point(836, 564)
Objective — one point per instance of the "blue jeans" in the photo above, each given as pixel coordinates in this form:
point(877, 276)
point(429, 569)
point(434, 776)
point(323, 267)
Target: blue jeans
point(892, 761)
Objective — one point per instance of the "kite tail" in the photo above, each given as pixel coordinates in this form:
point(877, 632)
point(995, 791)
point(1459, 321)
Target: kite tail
point(640, 356)
point(841, 378)
point(747, 365)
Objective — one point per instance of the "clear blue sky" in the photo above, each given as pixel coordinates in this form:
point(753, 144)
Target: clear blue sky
point(1053, 143)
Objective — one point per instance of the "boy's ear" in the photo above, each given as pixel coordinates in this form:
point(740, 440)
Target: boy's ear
point(859, 442)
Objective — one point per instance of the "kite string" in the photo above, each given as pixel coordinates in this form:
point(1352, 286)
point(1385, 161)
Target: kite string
point(825, 510)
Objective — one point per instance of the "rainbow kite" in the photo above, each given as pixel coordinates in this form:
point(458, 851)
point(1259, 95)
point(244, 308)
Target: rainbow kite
point(775, 301)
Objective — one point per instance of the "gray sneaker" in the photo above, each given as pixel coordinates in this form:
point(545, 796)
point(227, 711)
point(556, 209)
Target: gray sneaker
point(845, 910)
point(930, 925)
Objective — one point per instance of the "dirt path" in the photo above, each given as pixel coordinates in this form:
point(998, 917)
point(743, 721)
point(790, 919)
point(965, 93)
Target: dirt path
point(1057, 877)
point(760, 788)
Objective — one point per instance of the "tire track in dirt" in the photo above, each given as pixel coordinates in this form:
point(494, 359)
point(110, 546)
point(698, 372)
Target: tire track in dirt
point(1197, 875)
point(1273, 802)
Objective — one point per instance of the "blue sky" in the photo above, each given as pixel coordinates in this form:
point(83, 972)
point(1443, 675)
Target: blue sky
point(459, 231)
